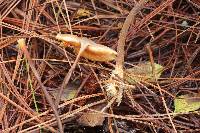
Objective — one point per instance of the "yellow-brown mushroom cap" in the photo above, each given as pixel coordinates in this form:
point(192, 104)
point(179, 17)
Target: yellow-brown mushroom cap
point(69, 39)
point(95, 52)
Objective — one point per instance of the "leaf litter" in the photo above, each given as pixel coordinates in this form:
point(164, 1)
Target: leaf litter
point(152, 106)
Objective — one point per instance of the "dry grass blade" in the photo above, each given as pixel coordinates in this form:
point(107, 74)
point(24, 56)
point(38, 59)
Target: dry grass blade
point(22, 46)
point(46, 112)
point(24, 110)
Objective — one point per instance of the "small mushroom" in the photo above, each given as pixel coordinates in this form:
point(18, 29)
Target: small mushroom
point(94, 52)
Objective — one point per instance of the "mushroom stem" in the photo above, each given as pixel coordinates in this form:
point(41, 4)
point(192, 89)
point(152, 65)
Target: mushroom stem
point(67, 77)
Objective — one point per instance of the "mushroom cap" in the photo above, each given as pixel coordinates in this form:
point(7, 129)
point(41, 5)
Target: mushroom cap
point(69, 39)
point(94, 52)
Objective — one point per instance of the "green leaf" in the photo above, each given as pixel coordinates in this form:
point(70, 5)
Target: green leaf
point(186, 103)
point(68, 93)
point(143, 72)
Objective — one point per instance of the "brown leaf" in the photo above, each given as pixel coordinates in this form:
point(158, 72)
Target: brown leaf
point(92, 119)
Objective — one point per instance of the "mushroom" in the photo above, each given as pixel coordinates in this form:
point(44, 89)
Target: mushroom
point(93, 51)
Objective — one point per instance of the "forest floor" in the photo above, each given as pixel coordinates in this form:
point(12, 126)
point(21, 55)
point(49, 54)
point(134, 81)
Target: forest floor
point(146, 79)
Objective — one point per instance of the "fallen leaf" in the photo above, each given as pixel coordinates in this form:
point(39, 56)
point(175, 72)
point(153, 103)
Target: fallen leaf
point(143, 72)
point(68, 93)
point(186, 103)
point(83, 13)
point(92, 119)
